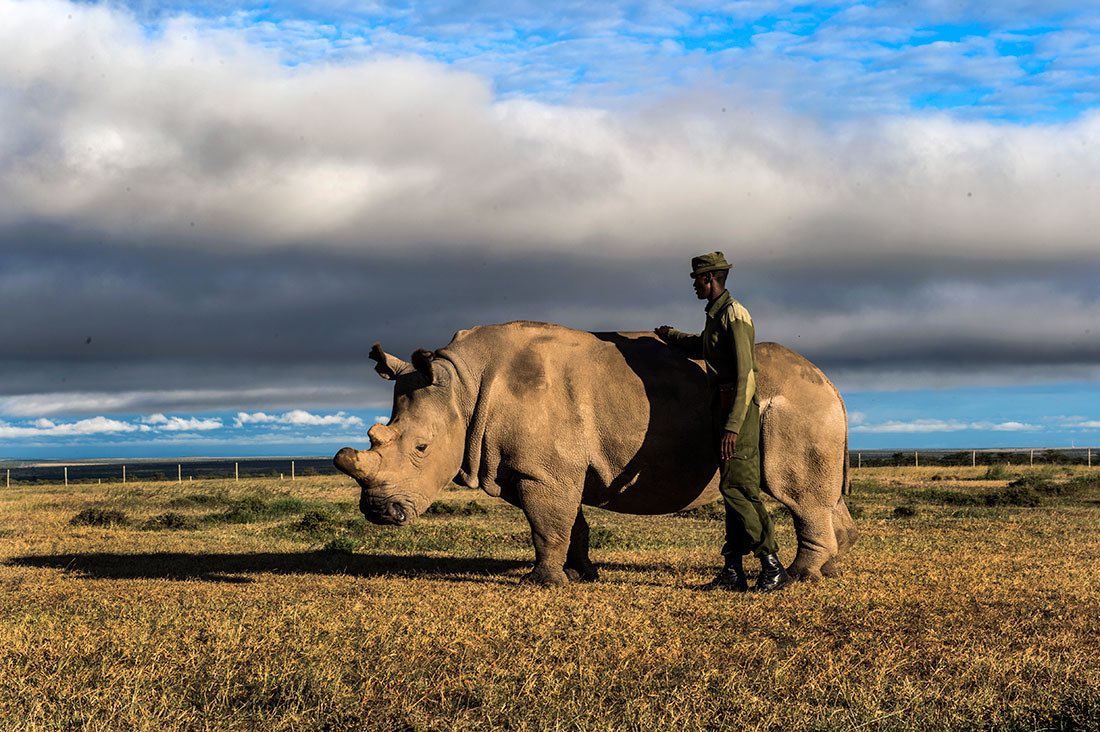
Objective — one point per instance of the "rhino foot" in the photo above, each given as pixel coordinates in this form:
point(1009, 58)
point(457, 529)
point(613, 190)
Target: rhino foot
point(543, 575)
point(587, 573)
point(804, 574)
point(832, 568)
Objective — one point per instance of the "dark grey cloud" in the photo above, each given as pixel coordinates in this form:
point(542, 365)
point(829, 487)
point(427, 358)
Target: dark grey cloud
point(175, 327)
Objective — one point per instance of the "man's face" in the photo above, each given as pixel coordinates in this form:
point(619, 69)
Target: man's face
point(704, 285)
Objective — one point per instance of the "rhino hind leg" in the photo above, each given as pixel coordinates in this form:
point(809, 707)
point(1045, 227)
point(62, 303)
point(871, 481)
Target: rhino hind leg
point(578, 567)
point(845, 527)
point(817, 545)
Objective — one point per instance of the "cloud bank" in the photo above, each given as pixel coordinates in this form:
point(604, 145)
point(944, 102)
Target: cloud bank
point(188, 221)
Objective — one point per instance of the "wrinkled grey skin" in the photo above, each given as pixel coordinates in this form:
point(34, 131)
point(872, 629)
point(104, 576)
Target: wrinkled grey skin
point(549, 418)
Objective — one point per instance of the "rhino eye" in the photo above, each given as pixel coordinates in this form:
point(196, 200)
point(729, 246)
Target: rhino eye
point(422, 447)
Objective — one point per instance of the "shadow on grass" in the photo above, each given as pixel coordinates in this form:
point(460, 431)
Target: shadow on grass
point(239, 568)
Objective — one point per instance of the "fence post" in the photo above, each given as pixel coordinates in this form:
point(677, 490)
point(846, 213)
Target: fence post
point(179, 473)
point(124, 474)
point(973, 458)
point(292, 470)
point(9, 479)
point(1090, 457)
point(66, 475)
point(237, 472)
point(859, 459)
point(916, 459)
point(1031, 460)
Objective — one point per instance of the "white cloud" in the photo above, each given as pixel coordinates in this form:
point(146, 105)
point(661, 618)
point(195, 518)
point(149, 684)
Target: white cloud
point(941, 425)
point(1077, 422)
point(193, 133)
point(178, 424)
point(91, 402)
point(46, 428)
point(298, 417)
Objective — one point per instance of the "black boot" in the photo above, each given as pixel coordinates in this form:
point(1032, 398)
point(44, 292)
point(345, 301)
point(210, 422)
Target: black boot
point(772, 575)
point(731, 578)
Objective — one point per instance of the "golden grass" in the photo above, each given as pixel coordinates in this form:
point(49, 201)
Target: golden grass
point(951, 616)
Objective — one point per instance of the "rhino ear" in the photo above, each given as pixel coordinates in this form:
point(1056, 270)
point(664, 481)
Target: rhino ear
point(388, 367)
point(422, 361)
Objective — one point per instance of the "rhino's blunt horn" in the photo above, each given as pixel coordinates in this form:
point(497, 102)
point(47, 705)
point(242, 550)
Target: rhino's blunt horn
point(380, 434)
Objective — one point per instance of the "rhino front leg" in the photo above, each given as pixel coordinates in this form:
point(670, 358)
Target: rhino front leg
point(577, 565)
point(552, 514)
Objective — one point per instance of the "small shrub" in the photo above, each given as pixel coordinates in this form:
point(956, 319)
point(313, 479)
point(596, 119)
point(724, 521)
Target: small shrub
point(170, 521)
point(996, 472)
point(1015, 495)
point(1067, 489)
point(314, 522)
point(341, 545)
point(249, 509)
point(109, 517)
point(283, 506)
point(905, 511)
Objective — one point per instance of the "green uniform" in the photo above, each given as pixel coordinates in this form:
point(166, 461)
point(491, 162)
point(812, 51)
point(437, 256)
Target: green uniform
point(727, 346)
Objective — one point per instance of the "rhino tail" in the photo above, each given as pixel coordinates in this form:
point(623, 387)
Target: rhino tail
point(846, 486)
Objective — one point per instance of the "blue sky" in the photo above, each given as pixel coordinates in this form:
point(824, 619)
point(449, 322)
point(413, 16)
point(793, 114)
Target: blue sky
point(208, 211)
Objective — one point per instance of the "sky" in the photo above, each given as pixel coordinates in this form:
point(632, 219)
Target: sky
point(209, 211)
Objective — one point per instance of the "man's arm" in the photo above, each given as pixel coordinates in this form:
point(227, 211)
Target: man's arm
point(746, 378)
point(690, 343)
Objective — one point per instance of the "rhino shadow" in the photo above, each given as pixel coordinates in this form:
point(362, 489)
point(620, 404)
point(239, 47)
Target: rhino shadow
point(240, 568)
point(237, 568)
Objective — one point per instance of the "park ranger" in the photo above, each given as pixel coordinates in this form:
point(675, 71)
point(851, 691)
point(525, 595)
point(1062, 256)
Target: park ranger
point(727, 346)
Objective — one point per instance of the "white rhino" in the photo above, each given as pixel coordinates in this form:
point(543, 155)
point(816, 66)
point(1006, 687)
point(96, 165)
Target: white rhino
point(549, 418)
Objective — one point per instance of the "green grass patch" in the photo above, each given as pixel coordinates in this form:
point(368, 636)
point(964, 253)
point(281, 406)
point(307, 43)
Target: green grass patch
point(708, 512)
point(170, 521)
point(256, 507)
point(105, 517)
point(449, 508)
point(342, 545)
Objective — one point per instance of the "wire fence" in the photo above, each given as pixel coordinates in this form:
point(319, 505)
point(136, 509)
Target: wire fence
point(145, 471)
point(24, 472)
point(1000, 456)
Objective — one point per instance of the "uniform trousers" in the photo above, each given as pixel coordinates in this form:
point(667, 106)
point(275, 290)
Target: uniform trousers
point(748, 525)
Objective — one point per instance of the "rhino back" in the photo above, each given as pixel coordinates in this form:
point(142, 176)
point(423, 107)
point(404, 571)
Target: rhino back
point(620, 416)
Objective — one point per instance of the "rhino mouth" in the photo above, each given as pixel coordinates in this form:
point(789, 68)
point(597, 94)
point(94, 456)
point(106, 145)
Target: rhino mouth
point(390, 511)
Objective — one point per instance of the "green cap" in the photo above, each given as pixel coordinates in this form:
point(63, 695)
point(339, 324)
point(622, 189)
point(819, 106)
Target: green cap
point(708, 263)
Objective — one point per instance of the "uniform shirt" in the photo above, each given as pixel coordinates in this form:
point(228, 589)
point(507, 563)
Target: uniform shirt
point(727, 346)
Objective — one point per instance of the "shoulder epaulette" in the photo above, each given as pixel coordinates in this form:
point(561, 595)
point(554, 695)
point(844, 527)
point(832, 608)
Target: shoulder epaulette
point(737, 311)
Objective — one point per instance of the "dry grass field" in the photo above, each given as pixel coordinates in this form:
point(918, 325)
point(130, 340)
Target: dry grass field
point(970, 602)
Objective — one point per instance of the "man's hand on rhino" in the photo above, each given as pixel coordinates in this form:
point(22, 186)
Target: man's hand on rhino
point(728, 446)
point(662, 331)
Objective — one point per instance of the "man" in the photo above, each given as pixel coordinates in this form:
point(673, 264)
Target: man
point(727, 346)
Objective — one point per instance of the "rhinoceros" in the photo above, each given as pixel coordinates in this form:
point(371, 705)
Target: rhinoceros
point(550, 418)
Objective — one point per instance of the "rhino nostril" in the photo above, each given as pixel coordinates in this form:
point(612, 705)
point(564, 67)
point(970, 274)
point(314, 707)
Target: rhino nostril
point(397, 511)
